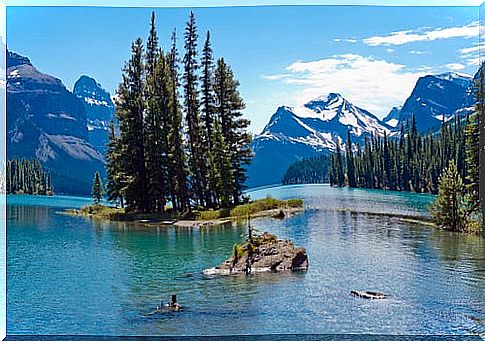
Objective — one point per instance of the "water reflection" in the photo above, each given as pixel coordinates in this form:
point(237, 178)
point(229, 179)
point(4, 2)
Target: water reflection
point(91, 276)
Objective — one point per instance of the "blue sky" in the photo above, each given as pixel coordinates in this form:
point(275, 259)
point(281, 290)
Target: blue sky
point(282, 55)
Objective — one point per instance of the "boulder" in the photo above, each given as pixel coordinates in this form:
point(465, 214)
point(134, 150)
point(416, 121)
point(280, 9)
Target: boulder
point(266, 253)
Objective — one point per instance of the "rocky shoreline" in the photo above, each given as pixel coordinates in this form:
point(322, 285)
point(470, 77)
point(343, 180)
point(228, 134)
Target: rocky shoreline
point(188, 223)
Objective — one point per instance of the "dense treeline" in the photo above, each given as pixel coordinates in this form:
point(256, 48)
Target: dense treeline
point(311, 170)
point(408, 162)
point(446, 163)
point(27, 177)
point(191, 151)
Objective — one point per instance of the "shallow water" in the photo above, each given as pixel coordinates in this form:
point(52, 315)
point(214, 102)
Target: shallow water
point(73, 275)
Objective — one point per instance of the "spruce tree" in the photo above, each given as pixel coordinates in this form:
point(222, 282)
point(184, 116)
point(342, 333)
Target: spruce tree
point(207, 116)
point(350, 162)
point(447, 209)
point(115, 185)
point(97, 190)
point(191, 106)
point(176, 153)
point(155, 123)
point(228, 108)
point(472, 142)
point(339, 172)
point(130, 110)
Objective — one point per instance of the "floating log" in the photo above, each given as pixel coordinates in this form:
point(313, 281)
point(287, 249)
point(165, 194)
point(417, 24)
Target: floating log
point(372, 295)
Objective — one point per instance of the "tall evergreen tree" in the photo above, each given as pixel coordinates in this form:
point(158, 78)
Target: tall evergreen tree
point(228, 108)
point(97, 190)
point(191, 106)
point(447, 210)
point(207, 116)
point(115, 185)
point(130, 111)
point(176, 159)
point(155, 123)
point(350, 162)
point(472, 142)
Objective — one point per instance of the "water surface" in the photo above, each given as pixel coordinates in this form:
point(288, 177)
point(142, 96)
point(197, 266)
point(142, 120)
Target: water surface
point(73, 275)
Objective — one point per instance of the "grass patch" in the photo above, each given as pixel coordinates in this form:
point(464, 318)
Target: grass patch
point(266, 204)
point(101, 211)
point(240, 211)
point(211, 214)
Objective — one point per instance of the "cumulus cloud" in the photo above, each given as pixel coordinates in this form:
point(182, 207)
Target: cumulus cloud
point(374, 84)
point(409, 36)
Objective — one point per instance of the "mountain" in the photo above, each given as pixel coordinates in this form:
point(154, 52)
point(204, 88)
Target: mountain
point(46, 121)
point(99, 110)
point(433, 98)
point(295, 133)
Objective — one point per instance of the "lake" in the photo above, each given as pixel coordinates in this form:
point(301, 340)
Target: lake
point(74, 275)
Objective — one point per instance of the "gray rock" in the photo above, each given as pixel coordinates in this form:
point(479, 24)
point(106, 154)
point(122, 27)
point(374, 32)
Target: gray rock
point(267, 253)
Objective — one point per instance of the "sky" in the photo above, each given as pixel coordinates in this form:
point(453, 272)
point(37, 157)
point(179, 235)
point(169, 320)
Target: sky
point(282, 55)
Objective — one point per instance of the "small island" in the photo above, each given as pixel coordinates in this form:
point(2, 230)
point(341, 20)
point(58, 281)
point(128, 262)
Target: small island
point(266, 207)
point(262, 253)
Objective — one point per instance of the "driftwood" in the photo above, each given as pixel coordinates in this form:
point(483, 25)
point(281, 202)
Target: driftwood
point(372, 295)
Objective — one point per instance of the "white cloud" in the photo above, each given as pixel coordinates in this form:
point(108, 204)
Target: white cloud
point(409, 36)
point(390, 50)
point(470, 55)
point(348, 40)
point(455, 66)
point(274, 77)
point(374, 84)
point(418, 52)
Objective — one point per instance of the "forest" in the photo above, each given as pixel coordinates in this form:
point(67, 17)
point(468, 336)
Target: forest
point(189, 148)
point(312, 170)
point(27, 177)
point(445, 163)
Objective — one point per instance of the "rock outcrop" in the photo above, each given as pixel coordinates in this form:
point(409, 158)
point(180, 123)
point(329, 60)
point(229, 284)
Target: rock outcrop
point(266, 253)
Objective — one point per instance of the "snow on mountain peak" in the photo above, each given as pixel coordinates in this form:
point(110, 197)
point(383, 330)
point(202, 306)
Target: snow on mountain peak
point(462, 79)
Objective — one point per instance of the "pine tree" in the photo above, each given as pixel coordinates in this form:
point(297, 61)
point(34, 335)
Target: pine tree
point(350, 162)
point(114, 174)
point(129, 111)
point(97, 190)
point(448, 209)
point(228, 108)
point(207, 116)
point(191, 106)
point(339, 172)
point(155, 123)
point(472, 142)
point(223, 173)
point(176, 154)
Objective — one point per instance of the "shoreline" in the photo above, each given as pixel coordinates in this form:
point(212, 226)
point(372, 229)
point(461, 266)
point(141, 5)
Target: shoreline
point(284, 210)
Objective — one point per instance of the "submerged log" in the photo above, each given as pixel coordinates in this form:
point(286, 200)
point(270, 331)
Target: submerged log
point(372, 295)
point(266, 253)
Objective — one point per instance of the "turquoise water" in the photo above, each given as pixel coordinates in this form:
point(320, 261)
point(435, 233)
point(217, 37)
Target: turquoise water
point(73, 275)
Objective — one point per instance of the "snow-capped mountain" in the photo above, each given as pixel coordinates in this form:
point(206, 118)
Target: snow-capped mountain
point(296, 132)
point(99, 110)
point(434, 98)
point(46, 121)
